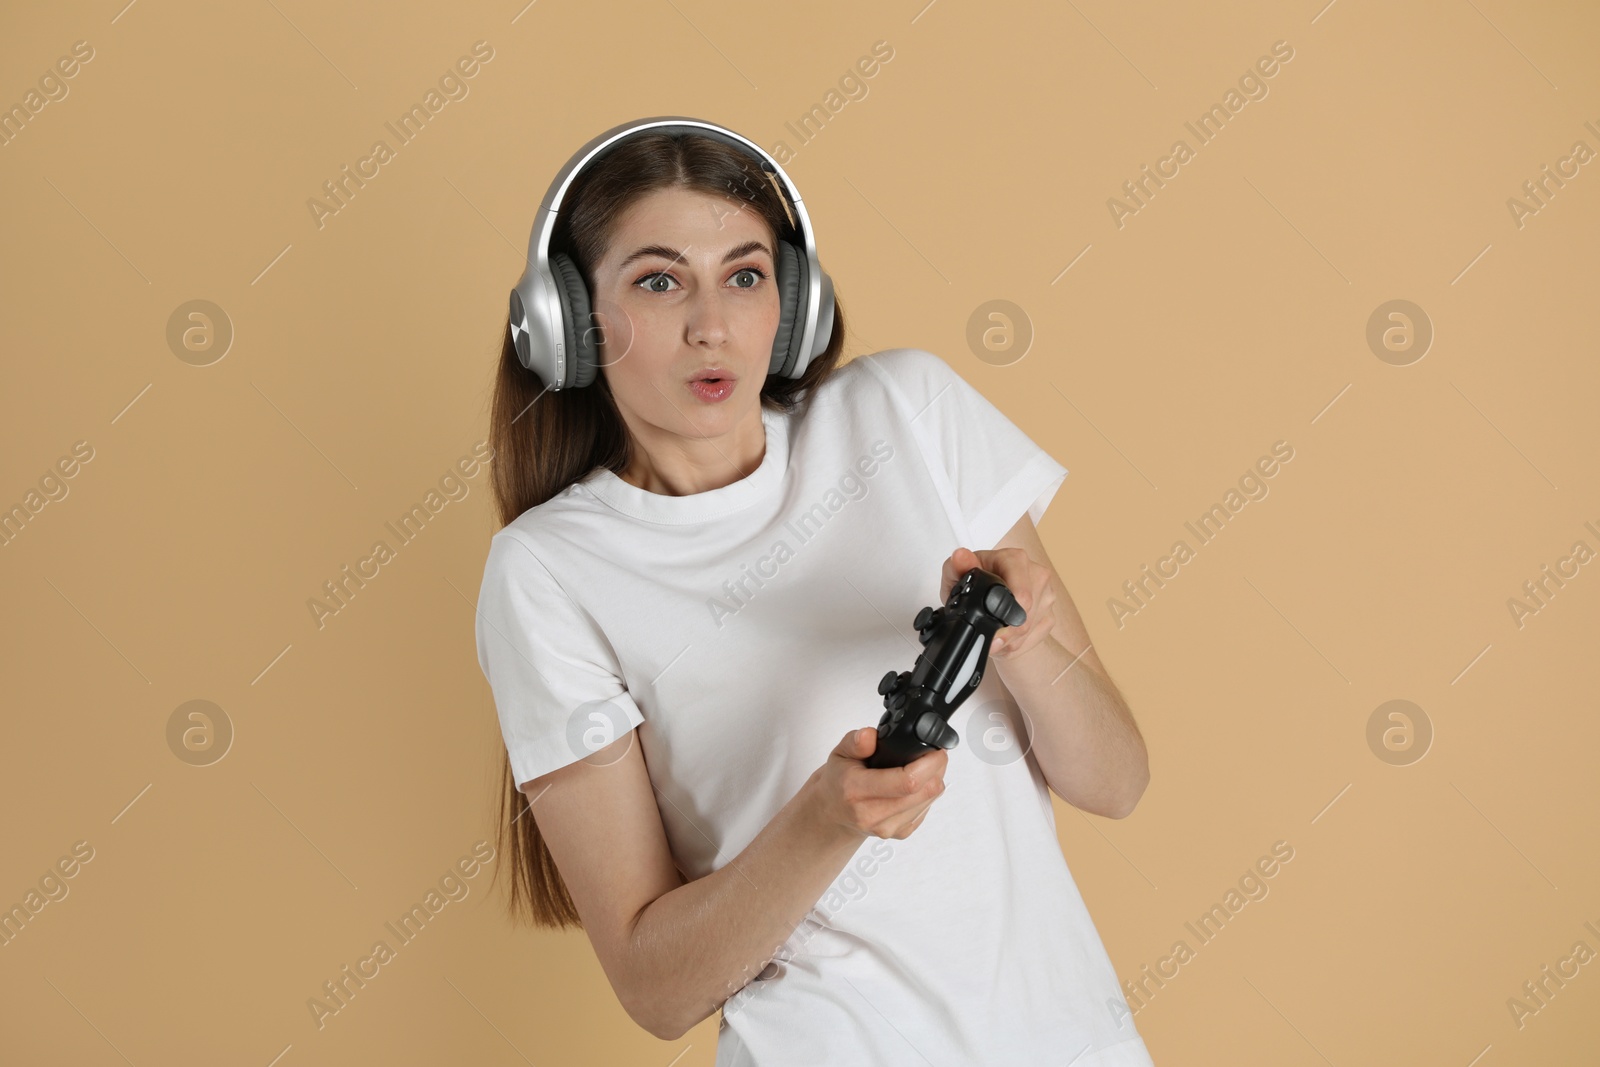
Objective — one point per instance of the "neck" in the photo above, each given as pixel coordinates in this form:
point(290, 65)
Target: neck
point(673, 465)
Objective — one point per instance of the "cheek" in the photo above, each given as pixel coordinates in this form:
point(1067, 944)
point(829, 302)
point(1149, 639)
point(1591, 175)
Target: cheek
point(632, 361)
point(635, 329)
point(754, 306)
point(760, 320)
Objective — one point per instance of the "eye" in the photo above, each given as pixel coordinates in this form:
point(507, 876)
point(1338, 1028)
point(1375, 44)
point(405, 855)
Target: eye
point(648, 281)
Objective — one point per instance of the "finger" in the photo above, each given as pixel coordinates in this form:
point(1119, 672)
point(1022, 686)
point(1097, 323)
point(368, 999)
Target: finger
point(932, 762)
point(912, 780)
point(856, 744)
point(901, 822)
point(1010, 637)
point(964, 559)
point(953, 569)
point(914, 823)
point(894, 784)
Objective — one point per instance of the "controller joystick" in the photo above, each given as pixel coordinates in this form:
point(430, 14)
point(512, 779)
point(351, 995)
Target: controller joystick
point(918, 703)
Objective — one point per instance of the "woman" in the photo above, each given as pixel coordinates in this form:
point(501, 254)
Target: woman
point(704, 571)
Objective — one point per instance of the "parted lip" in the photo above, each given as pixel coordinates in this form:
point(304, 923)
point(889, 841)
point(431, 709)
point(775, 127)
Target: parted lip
point(712, 372)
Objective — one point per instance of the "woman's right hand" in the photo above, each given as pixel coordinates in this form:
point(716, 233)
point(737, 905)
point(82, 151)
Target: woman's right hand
point(875, 801)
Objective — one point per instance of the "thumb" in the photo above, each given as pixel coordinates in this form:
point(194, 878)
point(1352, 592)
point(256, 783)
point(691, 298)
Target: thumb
point(860, 743)
point(960, 562)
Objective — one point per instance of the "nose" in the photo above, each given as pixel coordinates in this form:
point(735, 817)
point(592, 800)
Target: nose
point(707, 321)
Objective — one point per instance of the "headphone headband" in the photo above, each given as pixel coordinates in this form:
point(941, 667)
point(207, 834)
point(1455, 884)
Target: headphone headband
point(551, 344)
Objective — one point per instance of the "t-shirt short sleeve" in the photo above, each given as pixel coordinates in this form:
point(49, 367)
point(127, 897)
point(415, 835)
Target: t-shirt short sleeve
point(993, 472)
point(557, 684)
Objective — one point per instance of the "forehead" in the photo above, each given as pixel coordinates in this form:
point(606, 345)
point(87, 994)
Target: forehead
point(682, 217)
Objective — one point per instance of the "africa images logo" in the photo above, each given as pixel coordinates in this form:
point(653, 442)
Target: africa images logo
point(851, 485)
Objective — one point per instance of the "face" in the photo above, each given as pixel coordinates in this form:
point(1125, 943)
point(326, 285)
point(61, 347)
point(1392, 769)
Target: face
point(687, 283)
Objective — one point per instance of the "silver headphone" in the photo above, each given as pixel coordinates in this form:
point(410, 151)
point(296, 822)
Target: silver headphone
point(551, 309)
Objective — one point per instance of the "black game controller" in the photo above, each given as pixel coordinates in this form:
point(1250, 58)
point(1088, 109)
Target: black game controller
point(920, 701)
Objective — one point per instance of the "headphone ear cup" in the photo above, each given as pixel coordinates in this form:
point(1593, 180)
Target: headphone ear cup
point(791, 269)
point(583, 357)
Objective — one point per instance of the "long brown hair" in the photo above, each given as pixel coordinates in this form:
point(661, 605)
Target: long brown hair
point(543, 442)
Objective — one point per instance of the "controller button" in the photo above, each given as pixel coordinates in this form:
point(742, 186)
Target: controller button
point(1003, 606)
point(924, 618)
point(886, 683)
point(933, 730)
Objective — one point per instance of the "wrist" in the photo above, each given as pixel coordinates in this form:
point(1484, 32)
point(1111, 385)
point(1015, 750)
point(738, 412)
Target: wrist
point(816, 812)
point(1012, 660)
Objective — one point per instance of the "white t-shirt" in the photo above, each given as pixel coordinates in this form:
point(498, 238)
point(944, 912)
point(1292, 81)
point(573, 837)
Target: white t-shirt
point(743, 632)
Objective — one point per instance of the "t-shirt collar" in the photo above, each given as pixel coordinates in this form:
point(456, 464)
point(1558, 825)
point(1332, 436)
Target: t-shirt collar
point(761, 484)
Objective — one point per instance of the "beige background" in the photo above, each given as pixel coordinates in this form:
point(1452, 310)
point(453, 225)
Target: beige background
point(1229, 313)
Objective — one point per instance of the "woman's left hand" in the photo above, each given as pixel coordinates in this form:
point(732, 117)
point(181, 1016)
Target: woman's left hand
point(1028, 581)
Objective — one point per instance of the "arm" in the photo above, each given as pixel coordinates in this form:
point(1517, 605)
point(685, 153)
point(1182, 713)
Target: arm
point(675, 951)
point(1084, 735)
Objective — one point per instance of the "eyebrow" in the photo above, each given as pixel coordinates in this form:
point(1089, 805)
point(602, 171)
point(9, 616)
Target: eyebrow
point(673, 254)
